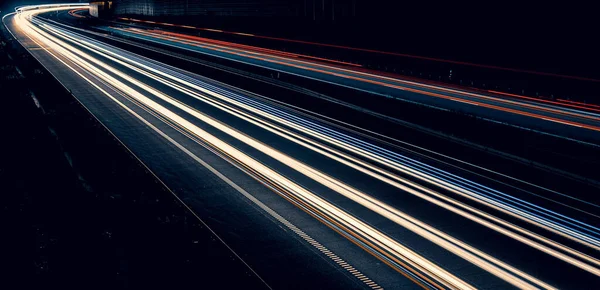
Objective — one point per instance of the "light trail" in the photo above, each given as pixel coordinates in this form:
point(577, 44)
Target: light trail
point(334, 212)
point(75, 14)
point(388, 53)
point(395, 140)
point(248, 48)
point(368, 159)
point(364, 154)
point(587, 105)
point(560, 102)
point(539, 110)
point(220, 45)
point(526, 217)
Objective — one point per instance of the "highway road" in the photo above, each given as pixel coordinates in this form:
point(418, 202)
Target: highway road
point(305, 203)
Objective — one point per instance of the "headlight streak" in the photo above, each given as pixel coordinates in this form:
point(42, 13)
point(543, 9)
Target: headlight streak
point(179, 78)
point(340, 216)
point(340, 187)
point(341, 229)
point(356, 75)
point(538, 209)
point(381, 156)
point(310, 172)
point(361, 129)
point(572, 261)
point(461, 100)
point(348, 126)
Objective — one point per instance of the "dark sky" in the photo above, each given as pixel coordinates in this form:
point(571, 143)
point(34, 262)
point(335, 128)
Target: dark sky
point(509, 33)
point(551, 37)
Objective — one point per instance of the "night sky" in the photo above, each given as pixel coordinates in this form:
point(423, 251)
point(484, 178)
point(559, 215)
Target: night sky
point(544, 37)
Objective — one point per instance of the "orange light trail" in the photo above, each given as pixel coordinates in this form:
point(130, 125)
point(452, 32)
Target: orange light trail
point(393, 54)
point(579, 103)
point(544, 101)
point(480, 104)
point(251, 48)
point(74, 12)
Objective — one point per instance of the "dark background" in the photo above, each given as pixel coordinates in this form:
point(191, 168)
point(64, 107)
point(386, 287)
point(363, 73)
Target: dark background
point(540, 36)
point(546, 37)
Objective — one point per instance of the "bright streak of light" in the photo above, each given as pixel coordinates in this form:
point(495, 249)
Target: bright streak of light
point(244, 34)
point(400, 55)
point(535, 245)
point(75, 14)
point(490, 102)
point(340, 216)
point(545, 101)
point(375, 158)
point(316, 138)
point(579, 103)
point(247, 48)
